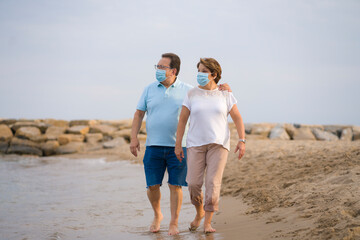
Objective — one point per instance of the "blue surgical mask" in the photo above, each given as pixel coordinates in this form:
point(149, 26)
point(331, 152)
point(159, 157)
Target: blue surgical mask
point(203, 78)
point(160, 75)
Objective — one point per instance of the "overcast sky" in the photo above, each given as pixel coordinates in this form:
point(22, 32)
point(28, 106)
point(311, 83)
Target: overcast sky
point(286, 61)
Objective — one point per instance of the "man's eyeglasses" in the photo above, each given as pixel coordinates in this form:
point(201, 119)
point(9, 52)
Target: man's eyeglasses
point(161, 67)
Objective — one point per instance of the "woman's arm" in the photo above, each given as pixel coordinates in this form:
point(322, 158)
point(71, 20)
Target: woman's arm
point(236, 117)
point(184, 116)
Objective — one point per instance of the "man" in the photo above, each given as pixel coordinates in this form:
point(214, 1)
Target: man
point(162, 101)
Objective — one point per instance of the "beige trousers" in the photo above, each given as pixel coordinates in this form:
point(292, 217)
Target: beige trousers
point(212, 158)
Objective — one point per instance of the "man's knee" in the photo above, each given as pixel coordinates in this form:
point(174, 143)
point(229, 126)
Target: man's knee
point(174, 187)
point(154, 187)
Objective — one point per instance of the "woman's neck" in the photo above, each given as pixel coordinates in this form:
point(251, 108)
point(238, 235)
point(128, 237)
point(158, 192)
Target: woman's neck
point(210, 86)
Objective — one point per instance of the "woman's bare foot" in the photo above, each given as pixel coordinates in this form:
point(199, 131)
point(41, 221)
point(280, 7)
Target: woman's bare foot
point(173, 229)
point(197, 220)
point(208, 228)
point(155, 226)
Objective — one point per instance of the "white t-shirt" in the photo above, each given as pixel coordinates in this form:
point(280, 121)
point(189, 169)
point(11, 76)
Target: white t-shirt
point(209, 110)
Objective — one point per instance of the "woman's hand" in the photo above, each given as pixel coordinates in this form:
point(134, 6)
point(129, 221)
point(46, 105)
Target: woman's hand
point(224, 87)
point(179, 152)
point(241, 148)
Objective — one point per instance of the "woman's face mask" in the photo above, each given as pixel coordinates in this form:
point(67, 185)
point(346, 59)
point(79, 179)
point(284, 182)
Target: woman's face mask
point(203, 78)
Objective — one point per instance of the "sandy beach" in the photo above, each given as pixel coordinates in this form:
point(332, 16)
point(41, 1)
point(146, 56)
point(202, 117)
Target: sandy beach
point(283, 189)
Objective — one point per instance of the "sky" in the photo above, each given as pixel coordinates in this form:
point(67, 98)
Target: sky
point(285, 61)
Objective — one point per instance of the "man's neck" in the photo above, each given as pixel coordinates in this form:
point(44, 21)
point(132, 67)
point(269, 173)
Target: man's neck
point(168, 82)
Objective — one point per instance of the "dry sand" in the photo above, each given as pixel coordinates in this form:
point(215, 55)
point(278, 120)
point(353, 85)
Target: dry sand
point(284, 189)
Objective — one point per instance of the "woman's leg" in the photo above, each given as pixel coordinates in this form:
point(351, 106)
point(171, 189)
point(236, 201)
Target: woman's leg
point(216, 158)
point(195, 178)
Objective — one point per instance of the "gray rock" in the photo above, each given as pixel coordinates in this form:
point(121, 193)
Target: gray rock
point(71, 147)
point(346, 134)
point(324, 135)
point(24, 146)
point(53, 132)
point(78, 129)
point(4, 146)
point(356, 132)
point(116, 142)
point(41, 126)
point(248, 127)
point(335, 129)
point(30, 133)
point(279, 132)
point(262, 129)
point(49, 148)
point(106, 130)
point(5, 133)
point(93, 137)
point(8, 121)
point(303, 133)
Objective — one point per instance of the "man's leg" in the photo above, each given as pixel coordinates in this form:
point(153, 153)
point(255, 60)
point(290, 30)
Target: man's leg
point(155, 167)
point(154, 196)
point(176, 197)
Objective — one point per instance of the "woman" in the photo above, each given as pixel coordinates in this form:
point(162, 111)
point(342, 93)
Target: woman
point(208, 139)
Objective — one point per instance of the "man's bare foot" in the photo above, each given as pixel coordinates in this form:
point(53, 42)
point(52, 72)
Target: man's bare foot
point(208, 228)
point(173, 229)
point(155, 226)
point(197, 220)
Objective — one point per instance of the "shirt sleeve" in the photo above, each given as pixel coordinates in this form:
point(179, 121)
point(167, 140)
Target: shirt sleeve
point(231, 101)
point(142, 106)
point(186, 102)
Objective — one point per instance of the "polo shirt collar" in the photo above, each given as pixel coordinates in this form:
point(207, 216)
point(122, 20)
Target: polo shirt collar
point(175, 84)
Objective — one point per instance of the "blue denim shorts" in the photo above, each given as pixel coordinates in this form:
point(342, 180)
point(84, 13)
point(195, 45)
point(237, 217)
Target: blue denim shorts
point(159, 158)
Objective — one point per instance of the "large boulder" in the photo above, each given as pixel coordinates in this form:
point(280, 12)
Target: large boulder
point(5, 133)
point(24, 146)
point(53, 132)
point(116, 142)
point(71, 147)
point(106, 130)
point(262, 129)
point(49, 148)
point(78, 129)
point(335, 129)
point(4, 146)
point(346, 134)
point(279, 132)
point(41, 126)
point(303, 133)
point(83, 122)
point(93, 137)
point(324, 135)
point(125, 133)
point(30, 133)
point(356, 132)
point(56, 122)
point(124, 124)
point(66, 138)
point(7, 121)
point(290, 129)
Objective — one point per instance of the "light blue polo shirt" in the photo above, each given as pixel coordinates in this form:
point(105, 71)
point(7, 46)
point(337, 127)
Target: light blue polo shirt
point(163, 106)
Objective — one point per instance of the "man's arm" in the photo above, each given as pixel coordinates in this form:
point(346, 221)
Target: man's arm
point(135, 128)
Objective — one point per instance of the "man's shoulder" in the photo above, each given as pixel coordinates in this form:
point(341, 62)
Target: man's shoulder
point(185, 85)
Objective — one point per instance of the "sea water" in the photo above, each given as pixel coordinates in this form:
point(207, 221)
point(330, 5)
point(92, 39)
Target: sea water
point(61, 198)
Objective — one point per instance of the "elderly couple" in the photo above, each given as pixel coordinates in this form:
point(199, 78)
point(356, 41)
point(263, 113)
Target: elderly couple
point(169, 103)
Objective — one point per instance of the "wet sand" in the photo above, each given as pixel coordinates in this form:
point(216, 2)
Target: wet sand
point(279, 190)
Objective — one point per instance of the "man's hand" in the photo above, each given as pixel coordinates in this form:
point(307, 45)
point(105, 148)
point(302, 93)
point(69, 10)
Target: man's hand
point(134, 146)
point(241, 148)
point(179, 152)
point(224, 87)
